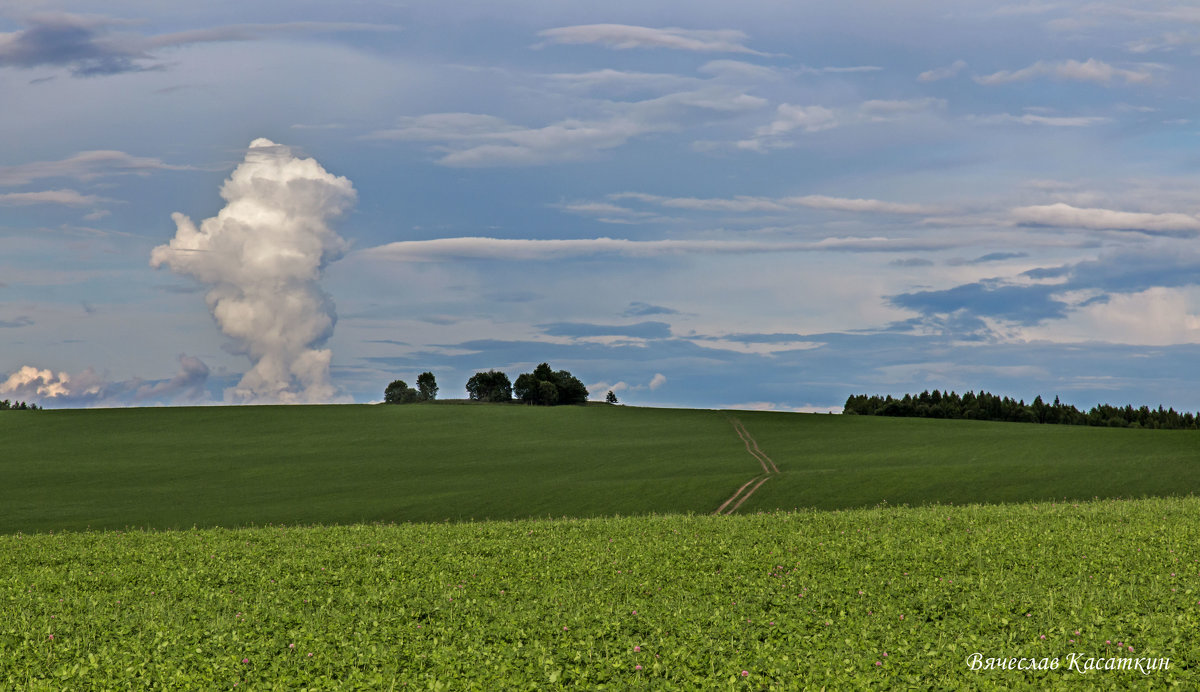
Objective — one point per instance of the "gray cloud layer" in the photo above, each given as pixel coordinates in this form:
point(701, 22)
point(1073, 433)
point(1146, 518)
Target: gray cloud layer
point(92, 45)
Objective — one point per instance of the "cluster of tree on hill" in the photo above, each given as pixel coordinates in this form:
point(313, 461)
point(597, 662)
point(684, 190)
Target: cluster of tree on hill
point(7, 405)
point(985, 406)
point(542, 387)
point(546, 387)
point(398, 392)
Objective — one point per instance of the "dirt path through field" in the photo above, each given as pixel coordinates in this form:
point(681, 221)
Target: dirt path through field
point(768, 466)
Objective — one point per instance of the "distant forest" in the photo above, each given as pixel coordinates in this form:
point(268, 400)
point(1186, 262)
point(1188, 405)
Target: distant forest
point(7, 405)
point(985, 406)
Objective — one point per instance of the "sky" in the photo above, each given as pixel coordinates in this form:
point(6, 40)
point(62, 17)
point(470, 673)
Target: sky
point(753, 205)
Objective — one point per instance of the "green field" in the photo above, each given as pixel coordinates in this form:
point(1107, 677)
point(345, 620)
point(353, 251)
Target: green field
point(300, 465)
point(336, 544)
point(889, 598)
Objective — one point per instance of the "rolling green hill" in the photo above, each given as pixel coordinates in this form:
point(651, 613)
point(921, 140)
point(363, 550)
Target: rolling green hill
point(835, 462)
point(236, 466)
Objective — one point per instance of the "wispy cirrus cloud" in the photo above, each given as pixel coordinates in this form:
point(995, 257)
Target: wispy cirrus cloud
point(940, 73)
point(477, 140)
point(483, 248)
point(473, 140)
point(640, 330)
point(606, 212)
point(873, 206)
point(623, 81)
point(626, 37)
point(739, 203)
point(791, 119)
point(70, 198)
point(1066, 216)
point(86, 165)
point(745, 203)
point(1035, 119)
point(1167, 41)
point(1090, 70)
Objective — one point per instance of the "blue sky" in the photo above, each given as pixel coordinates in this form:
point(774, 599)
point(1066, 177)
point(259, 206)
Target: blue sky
point(700, 204)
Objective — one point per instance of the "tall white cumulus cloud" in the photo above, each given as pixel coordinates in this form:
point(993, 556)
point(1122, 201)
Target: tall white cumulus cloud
point(262, 257)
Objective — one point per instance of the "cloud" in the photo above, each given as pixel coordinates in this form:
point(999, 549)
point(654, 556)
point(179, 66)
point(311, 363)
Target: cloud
point(64, 197)
point(640, 309)
point(1091, 70)
point(32, 383)
point(89, 46)
point(607, 212)
point(1168, 41)
point(757, 344)
point(740, 203)
point(776, 406)
point(1067, 216)
point(81, 42)
point(998, 257)
point(19, 321)
point(1129, 270)
point(88, 388)
point(568, 140)
point(475, 140)
point(744, 203)
point(625, 81)
point(1083, 302)
point(911, 262)
point(261, 258)
point(252, 32)
point(441, 249)
point(186, 386)
point(791, 118)
point(625, 37)
point(435, 127)
point(1021, 304)
point(941, 73)
point(881, 109)
point(1155, 317)
point(86, 165)
point(600, 389)
point(641, 330)
point(840, 70)
point(1034, 119)
point(859, 205)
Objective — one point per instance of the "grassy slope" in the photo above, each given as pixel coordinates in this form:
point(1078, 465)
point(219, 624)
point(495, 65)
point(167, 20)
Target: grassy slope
point(224, 466)
point(834, 462)
point(797, 600)
point(179, 467)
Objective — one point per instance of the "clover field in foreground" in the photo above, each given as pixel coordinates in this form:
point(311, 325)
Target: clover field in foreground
point(863, 598)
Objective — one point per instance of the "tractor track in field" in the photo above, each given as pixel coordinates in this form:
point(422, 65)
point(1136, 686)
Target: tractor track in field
point(768, 466)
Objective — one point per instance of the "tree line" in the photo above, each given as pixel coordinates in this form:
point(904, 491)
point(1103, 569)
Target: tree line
point(543, 386)
point(986, 406)
point(7, 405)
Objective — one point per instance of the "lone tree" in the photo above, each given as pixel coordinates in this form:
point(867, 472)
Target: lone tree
point(426, 387)
point(398, 392)
point(545, 387)
point(489, 386)
point(610, 397)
